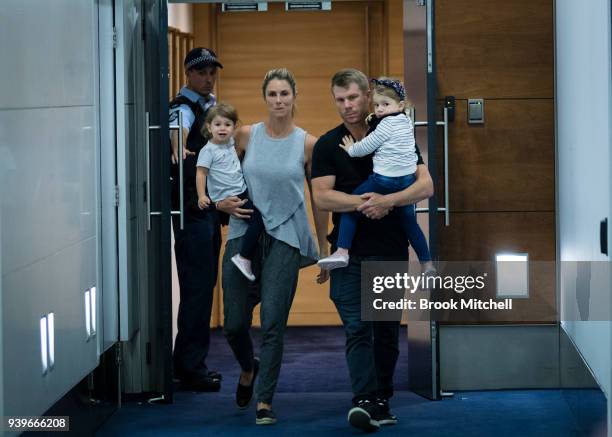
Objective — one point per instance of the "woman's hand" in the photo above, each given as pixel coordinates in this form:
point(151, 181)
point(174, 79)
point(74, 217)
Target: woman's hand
point(376, 206)
point(232, 206)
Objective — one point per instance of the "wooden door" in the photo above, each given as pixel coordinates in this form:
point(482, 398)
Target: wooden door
point(502, 174)
point(313, 45)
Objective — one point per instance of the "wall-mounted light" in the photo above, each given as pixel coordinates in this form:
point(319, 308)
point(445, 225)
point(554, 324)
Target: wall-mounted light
point(51, 339)
point(308, 6)
point(91, 315)
point(88, 313)
point(44, 350)
point(94, 314)
point(512, 275)
point(244, 7)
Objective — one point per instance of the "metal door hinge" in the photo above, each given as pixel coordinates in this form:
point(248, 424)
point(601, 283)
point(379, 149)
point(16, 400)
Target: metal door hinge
point(114, 37)
point(116, 195)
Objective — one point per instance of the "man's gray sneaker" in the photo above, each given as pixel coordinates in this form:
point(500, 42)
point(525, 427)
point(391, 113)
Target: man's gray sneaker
point(362, 415)
point(383, 413)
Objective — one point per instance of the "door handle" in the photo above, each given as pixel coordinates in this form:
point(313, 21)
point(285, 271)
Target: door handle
point(148, 129)
point(446, 208)
point(603, 236)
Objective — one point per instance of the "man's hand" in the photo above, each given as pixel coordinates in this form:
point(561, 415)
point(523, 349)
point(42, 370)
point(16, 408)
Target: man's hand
point(186, 152)
point(347, 142)
point(203, 202)
point(376, 206)
point(232, 206)
point(323, 276)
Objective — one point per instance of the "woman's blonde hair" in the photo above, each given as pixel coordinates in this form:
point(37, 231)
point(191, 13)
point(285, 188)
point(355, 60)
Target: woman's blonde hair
point(280, 74)
point(224, 110)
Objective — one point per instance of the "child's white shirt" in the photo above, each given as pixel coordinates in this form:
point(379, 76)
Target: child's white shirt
point(225, 177)
point(393, 145)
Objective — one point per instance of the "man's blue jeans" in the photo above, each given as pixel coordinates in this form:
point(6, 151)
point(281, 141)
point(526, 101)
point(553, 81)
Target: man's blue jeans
point(371, 347)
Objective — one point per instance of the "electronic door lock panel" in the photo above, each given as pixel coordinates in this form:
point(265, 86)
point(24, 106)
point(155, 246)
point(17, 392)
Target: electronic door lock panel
point(449, 102)
point(475, 111)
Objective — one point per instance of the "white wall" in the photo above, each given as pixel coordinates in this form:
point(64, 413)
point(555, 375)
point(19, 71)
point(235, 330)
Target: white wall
point(583, 106)
point(49, 203)
point(180, 16)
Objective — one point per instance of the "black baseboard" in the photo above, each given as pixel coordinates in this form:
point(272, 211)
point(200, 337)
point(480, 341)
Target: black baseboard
point(581, 392)
point(91, 402)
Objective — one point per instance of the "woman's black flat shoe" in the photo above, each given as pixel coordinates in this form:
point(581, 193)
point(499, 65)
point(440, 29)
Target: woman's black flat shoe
point(244, 393)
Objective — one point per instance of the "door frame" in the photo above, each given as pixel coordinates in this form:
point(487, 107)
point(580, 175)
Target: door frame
point(423, 336)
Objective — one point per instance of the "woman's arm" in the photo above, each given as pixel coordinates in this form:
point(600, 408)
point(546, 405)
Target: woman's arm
point(233, 205)
point(241, 139)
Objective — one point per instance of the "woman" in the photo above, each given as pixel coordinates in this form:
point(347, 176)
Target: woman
point(277, 158)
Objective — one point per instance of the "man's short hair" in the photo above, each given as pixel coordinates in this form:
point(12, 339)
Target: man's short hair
point(344, 78)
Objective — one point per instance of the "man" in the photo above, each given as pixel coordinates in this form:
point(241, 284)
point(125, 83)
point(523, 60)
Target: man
point(371, 347)
point(197, 245)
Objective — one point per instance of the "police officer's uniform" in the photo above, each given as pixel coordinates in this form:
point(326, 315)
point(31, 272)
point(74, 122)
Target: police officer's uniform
point(197, 245)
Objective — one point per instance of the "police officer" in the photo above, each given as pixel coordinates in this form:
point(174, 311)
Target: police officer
point(196, 245)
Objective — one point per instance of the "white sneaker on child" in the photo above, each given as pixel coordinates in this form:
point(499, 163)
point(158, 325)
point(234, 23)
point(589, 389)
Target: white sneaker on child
point(428, 268)
point(244, 265)
point(334, 261)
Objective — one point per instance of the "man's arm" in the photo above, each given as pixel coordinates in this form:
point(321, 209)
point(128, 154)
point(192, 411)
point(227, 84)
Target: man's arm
point(188, 119)
point(174, 142)
point(328, 199)
point(321, 217)
point(377, 205)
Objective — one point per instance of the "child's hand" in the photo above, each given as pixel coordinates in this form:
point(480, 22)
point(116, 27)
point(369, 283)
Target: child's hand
point(347, 142)
point(369, 117)
point(203, 202)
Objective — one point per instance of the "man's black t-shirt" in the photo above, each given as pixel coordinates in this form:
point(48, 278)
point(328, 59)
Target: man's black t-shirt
point(383, 237)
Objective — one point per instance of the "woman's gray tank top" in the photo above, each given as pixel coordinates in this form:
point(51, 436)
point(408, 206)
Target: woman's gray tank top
point(274, 173)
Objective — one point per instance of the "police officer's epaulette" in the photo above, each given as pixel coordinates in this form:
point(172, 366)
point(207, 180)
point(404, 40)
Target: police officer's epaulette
point(182, 100)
